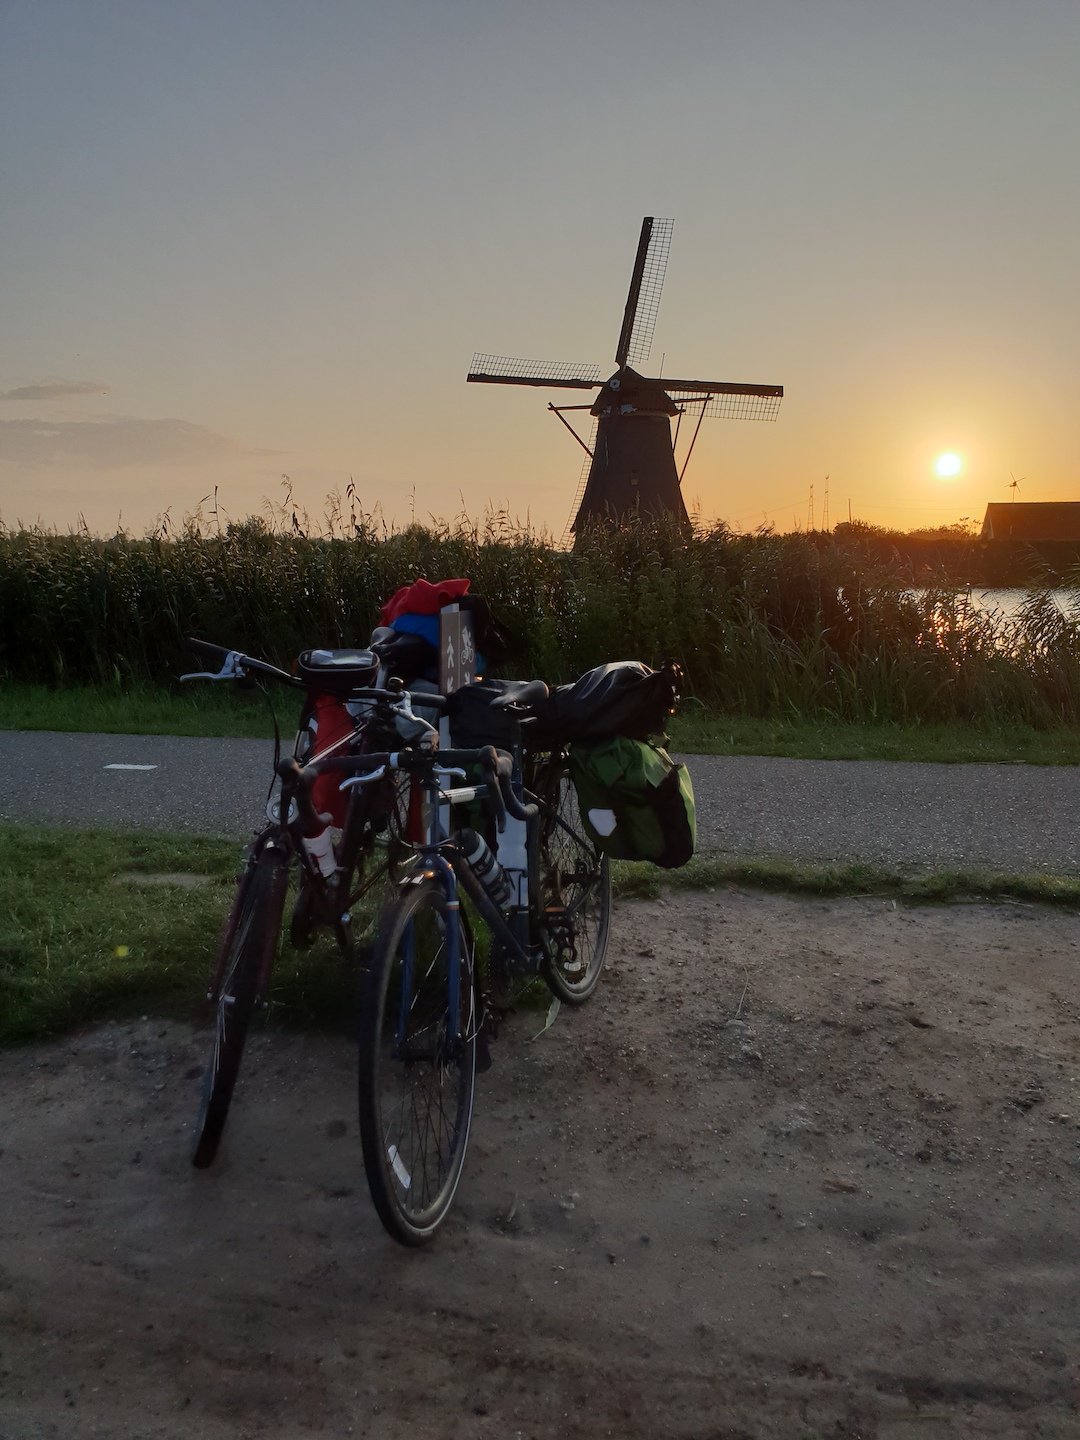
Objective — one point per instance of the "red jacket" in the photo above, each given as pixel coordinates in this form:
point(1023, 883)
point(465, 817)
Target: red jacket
point(422, 598)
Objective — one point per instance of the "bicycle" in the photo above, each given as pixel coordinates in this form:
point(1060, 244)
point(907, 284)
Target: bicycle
point(248, 942)
point(555, 925)
point(425, 1009)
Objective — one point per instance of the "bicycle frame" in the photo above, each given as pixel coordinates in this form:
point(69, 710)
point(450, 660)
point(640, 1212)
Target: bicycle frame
point(440, 859)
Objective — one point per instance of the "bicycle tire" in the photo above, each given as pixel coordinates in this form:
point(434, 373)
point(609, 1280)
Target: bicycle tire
point(575, 884)
point(417, 1082)
point(242, 968)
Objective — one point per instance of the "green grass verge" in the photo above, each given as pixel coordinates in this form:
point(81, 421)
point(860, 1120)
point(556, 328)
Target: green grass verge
point(698, 731)
point(82, 940)
point(210, 710)
point(221, 710)
point(709, 873)
point(78, 942)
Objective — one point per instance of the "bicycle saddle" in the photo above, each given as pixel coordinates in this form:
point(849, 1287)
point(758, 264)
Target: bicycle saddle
point(520, 692)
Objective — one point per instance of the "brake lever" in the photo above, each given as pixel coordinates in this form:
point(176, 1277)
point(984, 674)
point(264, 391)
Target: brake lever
point(367, 778)
point(231, 669)
point(421, 730)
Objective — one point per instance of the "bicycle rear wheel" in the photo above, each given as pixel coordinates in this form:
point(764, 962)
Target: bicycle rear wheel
point(241, 972)
point(575, 885)
point(417, 1063)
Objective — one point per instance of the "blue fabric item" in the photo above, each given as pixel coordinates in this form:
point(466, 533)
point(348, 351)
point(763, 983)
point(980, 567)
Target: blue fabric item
point(426, 626)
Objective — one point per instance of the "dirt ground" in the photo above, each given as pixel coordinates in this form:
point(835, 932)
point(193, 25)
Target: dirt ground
point(801, 1169)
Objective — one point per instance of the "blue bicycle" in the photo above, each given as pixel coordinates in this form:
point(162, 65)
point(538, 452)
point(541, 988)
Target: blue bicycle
point(426, 1007)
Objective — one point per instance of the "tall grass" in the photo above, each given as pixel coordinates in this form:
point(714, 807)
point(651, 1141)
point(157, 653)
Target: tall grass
point(765, 624)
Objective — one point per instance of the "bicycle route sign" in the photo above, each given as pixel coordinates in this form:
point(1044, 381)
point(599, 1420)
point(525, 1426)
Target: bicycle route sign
point(457, 649)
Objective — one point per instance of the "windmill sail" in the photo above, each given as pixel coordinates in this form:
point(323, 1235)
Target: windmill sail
point(506, 370)
point(721, 400)
point(646, 284)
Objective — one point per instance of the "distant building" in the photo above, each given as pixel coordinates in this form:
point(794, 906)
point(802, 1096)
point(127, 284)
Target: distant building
point(1033, 522)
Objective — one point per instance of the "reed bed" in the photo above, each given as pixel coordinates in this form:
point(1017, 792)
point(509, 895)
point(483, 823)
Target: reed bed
point(764, 624)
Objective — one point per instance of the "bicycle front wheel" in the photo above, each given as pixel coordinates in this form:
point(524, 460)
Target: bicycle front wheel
point(575, 882)
point(417, 1062)
point(248, 945)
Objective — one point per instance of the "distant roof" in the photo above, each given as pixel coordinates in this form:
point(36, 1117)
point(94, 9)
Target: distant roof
point(1032, 520)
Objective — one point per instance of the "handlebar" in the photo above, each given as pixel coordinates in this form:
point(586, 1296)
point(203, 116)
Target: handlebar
point(504, 769)
point(417, 697)
point(235, 665)
point(498, 768)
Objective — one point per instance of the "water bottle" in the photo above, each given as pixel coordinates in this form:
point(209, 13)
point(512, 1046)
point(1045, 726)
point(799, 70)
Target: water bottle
point(485, 867)
point(320, 848)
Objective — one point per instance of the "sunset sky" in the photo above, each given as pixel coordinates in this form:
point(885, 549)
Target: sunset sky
point(254, 238)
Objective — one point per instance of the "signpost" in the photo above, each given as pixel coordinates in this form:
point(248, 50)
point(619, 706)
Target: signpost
point(457, 649)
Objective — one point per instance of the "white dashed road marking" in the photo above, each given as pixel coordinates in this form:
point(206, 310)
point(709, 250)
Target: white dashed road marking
point(130, 767)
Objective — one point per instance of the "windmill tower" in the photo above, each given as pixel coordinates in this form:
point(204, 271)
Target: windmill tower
point(632, 470)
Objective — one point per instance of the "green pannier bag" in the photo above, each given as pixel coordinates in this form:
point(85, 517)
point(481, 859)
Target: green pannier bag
point(635, 801)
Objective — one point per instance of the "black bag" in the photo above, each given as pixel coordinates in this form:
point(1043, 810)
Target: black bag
point(337, 672)
point(476, 721)
point(624, 698)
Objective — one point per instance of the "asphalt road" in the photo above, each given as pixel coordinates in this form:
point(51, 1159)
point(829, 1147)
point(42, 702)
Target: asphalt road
point(1008, 818)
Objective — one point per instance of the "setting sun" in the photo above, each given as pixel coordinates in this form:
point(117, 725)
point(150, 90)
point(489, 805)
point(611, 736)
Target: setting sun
point(948, 465)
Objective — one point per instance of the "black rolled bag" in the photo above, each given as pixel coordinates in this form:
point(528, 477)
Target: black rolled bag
point(623, 698)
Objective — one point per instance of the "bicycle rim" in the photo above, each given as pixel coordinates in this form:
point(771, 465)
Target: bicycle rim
point(575, 880)
point(417, 1066)
point(249, 943)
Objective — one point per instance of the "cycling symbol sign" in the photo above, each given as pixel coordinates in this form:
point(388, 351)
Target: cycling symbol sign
point(457, 649)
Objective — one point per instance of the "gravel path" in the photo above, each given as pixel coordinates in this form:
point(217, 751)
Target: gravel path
point(1008, 818)
point(803, 1169)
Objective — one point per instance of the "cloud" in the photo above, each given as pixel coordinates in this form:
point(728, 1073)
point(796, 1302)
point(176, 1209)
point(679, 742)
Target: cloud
point(113, 441)
point(55, 390)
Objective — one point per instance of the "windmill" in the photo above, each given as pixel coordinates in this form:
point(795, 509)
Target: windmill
point(632, 469)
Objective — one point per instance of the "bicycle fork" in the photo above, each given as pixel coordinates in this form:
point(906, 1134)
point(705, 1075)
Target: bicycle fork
point(444, 1047)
